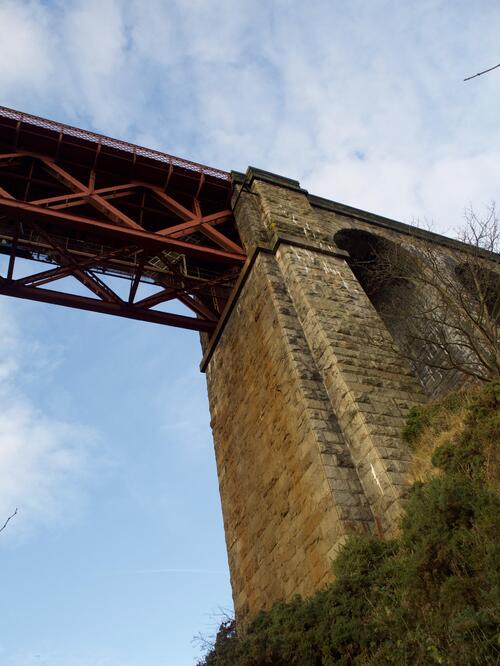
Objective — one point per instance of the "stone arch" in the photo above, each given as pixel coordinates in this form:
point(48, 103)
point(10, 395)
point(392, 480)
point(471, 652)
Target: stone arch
point(372, 259)
point(367, 252)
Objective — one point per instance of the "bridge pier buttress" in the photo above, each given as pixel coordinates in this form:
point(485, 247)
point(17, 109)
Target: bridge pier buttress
point(306, 412)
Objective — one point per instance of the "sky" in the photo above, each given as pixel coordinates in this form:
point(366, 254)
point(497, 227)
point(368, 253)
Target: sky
point(117, 556)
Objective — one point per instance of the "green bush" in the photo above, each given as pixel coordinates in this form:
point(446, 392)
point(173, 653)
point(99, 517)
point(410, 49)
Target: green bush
point(431, 596)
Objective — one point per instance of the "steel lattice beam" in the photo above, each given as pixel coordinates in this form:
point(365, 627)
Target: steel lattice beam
point(92, 207)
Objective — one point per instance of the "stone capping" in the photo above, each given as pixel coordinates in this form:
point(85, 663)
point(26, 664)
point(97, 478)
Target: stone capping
point(393, 225)
point(254, 173)
point(259, 174)
point(240, 283)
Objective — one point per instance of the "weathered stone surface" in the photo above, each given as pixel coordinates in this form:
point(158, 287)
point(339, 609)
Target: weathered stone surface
point(306, 412)
point(283, 462)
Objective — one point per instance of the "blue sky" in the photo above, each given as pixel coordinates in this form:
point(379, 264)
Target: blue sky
point(117, 556)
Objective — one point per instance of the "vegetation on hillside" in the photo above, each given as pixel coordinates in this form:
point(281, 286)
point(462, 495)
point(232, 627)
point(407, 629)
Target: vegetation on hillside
point(430, 596)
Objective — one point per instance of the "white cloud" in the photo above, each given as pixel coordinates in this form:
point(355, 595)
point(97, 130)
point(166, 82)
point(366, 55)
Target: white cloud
point(182, 408)
point(312, 89)
point(93, 44)
point(301, 90)
point(24, 48)
point(42, 459)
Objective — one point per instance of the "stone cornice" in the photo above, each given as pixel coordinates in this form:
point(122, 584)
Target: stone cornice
point(343, 209)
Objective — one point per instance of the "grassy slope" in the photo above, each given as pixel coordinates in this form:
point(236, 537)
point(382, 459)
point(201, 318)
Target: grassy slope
point(431, 596)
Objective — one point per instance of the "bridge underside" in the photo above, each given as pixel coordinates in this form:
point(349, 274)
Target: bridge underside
point(96, 209)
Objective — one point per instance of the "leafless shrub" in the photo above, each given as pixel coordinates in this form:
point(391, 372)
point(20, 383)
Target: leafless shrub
point(441, 303)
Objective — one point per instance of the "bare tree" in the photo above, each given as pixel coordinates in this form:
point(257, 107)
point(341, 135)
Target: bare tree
point(442, 303)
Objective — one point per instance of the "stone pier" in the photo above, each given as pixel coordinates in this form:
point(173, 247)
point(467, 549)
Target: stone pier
point(306, 412)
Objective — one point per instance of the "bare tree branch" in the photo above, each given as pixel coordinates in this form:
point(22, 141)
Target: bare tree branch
point(441, 305)
point(8, 521)
point(481, 73)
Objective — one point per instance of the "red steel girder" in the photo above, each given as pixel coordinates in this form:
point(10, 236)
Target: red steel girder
point(117, 233)
point(44, 277)
point(89, 195)
point(8, 288)
point(165, 234)
point(186, 290)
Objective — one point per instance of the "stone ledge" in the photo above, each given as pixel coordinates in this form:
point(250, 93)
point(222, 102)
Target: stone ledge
point(306, 244)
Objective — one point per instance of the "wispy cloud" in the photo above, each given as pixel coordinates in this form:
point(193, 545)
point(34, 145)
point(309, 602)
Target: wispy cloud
point(182, 409)
point(299, 90)
point(42, 459)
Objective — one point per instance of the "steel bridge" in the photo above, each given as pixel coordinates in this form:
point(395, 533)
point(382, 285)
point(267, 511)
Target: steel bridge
point(93, 207)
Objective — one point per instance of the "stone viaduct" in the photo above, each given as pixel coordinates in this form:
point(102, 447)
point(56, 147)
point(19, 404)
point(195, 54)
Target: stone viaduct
point(308, 384)
point(306, 412)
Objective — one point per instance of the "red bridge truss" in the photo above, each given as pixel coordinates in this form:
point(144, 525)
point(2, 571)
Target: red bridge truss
point(95, 207)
